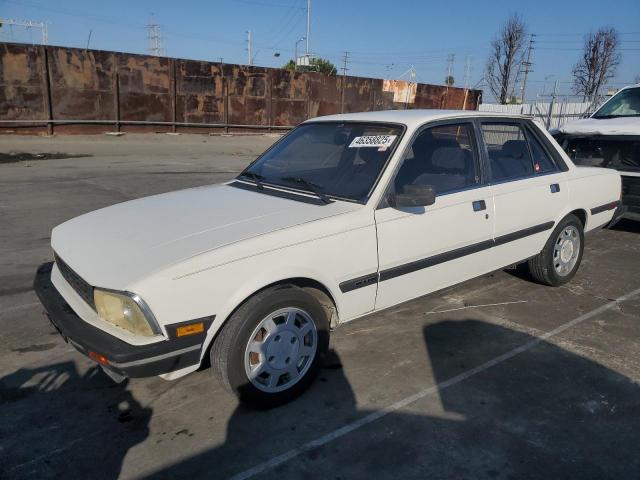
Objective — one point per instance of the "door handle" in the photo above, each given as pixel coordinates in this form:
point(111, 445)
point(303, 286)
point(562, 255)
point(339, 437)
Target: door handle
point(479, 205)
point(555, 188)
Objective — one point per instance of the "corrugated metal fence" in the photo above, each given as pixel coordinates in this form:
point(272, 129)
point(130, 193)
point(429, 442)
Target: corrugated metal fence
point(553, 115)
point(79, 90)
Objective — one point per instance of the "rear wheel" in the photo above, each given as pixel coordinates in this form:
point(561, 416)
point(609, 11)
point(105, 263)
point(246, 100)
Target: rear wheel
point(560, 258)
point(269, 350)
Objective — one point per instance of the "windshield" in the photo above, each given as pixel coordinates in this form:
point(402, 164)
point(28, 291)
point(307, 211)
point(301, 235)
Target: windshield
point(625, 103)
point(332, 159)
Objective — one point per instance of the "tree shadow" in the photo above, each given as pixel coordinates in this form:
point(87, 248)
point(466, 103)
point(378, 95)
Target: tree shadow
point(542, 413)
point(91, 420)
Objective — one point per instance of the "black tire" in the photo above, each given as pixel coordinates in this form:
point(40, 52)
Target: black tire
point(542, 267)
point(228, 351)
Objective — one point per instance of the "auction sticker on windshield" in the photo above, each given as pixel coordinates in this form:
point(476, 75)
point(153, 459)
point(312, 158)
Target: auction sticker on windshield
point(379, 141)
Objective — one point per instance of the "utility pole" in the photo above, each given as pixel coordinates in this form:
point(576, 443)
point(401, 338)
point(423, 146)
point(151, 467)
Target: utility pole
point(450, 58)
point(28, 24)
point(345, 58)
point(295, 61)
point(412, 79)
point(308, 36)
point(527, 67)
point(467, 71)
point(249, 47)
point(413, 74)
point(155, 38)
point(553, 101)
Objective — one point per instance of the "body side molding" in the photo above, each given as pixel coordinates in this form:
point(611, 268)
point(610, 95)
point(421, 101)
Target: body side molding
point(393, 272)
point(604, 208)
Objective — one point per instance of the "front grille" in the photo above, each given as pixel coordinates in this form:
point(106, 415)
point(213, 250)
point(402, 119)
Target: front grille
point(630, 191)
point(81, 287)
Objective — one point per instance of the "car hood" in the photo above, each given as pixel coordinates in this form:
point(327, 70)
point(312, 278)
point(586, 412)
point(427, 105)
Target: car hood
point(604, 126)
point(118, 245)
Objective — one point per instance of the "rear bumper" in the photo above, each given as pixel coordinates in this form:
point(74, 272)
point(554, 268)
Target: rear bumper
point(122, 358)
point(630, 212)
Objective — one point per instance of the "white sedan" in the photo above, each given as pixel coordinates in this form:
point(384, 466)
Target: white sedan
point(344, 216)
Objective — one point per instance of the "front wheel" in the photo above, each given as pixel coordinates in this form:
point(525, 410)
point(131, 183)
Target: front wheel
point(560, 258)
point(269, 350)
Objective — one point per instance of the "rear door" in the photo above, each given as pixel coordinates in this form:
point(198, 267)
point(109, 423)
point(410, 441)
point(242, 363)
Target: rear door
point(423, 249)
point(529, 189)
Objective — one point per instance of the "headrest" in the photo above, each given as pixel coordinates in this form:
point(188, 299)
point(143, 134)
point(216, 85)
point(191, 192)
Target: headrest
point(450, 158)
point(514, 148)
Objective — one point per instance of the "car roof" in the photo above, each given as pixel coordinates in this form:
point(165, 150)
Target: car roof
point(410, 118)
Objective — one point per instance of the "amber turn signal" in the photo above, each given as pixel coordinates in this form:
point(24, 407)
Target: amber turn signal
point(101, 359)
point(190, 329)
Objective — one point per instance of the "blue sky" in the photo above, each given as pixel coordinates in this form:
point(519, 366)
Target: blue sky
point(384, 38)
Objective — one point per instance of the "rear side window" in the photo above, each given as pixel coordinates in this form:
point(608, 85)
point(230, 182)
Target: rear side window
point(508, 151)
point(542, 163)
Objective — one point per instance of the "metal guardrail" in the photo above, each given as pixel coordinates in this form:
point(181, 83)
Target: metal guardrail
point(37, 123)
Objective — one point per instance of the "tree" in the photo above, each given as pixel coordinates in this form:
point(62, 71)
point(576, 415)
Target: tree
point(449, 80)
point(598, 64)
point(315, 65)
point(505, 58)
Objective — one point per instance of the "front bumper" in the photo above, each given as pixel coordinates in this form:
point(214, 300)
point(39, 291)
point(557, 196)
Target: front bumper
point(122, 358)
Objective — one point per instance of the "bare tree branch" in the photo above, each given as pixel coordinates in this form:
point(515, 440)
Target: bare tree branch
point(505, 59)
point(598, 63)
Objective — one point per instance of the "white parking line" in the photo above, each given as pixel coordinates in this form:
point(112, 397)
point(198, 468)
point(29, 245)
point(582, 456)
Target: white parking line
point(372, 417)
point(432, 312)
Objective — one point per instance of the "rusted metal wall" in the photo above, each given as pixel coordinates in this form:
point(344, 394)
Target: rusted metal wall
point(71, 90)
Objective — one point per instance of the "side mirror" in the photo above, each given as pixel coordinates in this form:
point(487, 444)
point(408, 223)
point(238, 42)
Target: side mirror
point(414, 196)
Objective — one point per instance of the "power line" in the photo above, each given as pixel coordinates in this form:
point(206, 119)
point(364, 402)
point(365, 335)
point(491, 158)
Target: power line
point(581, 49)
point(289, 21)
point(266, 4)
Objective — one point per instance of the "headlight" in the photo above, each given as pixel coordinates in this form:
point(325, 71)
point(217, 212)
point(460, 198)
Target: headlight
point(124, 311)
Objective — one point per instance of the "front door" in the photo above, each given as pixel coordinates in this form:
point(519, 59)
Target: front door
point(423, 249)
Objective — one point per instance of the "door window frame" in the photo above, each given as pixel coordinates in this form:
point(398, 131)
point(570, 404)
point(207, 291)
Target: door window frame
point(529, 131)
point(478, 161)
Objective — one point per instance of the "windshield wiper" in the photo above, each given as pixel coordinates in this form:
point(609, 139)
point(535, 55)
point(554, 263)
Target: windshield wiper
point(256, 177)
point(314, 187)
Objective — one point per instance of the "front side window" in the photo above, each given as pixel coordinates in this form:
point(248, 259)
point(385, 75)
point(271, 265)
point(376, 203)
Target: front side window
point(342, 160)
point(443, 157)
point(508, 152)
point(625, 103)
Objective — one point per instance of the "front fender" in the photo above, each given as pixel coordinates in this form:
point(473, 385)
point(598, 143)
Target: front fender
point(258, 281)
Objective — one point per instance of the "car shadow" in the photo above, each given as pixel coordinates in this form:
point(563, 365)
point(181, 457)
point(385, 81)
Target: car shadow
point(540, 412)
point(89, 419)
point(626, 225)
